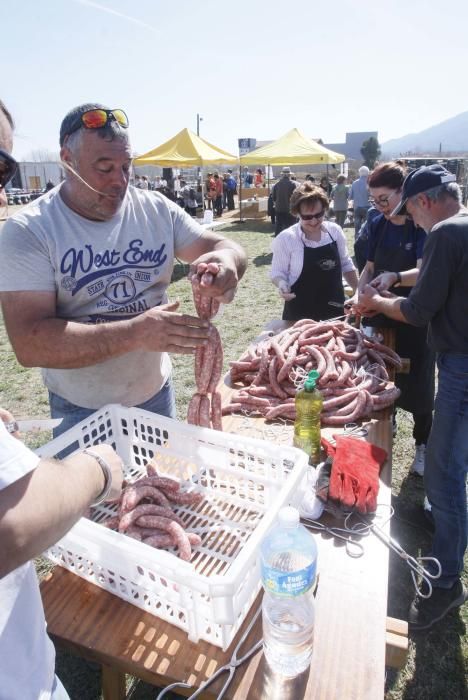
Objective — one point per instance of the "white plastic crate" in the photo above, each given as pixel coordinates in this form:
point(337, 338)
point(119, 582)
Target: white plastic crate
point(245, 482)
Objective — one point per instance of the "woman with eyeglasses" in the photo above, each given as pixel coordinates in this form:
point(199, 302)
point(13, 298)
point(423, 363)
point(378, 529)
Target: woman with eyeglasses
point(394, 256)
point(310, 259)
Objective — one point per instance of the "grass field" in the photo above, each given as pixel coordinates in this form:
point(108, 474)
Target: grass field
point(437, 663)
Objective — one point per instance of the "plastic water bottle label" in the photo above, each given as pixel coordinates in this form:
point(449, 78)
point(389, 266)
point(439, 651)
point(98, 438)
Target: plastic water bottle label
point(292, 583)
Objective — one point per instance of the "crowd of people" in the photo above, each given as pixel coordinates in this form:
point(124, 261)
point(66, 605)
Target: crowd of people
point(84, 274)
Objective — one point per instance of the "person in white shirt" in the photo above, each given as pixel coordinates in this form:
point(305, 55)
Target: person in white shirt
point(310, 259)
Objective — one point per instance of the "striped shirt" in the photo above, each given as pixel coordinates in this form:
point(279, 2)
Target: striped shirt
point(288, 246)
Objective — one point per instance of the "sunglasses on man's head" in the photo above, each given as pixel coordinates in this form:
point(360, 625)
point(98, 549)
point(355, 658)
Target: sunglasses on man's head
point(8, 167)
point(97, 118)
point(311, 217)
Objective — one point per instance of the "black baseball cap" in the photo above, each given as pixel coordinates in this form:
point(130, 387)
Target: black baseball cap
point(424, 178)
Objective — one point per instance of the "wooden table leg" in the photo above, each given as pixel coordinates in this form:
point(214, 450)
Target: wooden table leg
point(113, 683)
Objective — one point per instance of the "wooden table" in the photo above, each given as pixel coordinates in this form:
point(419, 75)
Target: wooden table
point(352, 633)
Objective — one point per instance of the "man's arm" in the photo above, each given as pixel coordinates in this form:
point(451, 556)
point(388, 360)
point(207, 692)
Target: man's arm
point(370, 300)
point(40, 339)
point(31, 519)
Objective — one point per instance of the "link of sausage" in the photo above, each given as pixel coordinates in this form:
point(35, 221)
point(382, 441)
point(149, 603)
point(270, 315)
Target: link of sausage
point(112, 522)
point(148, 520)
point(384, 349)
point(330, 373)
point(186, 498)
point(132, 495)
point(385, 398)
point(203, 379)
point(216, 419)
point(319, 359)
point(199, 357)
point(273, 380)
point(287, 367)
point(144, 509)
point(245, 398)
point(341, 419)
point(181, 540)
point(263, 368)
point(161, 540)
point(217, 364)
point(193, 412)
point(287, 410)
point(204, 414)
point(307, 339)
point(289, 339)
point(279, 353)
point(164, 483)
point(340, 400)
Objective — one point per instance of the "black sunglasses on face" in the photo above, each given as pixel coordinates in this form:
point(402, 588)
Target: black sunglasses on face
point(311, 217)
point(8, 167)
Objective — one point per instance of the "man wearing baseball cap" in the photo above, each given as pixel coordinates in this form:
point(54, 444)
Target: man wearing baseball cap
point(440, 298)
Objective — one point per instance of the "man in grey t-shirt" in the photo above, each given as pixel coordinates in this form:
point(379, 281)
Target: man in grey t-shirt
point(84, 272)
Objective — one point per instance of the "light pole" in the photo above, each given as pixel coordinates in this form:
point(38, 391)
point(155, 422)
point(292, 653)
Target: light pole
point(199, 119)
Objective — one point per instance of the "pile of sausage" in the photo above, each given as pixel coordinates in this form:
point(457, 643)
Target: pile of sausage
point(205, 406)
point(353, 377)
point(145, 513)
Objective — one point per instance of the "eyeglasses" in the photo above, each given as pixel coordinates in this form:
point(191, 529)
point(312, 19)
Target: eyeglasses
point(311, 217)
point(8, 167)
point(97, 118)
point(384, 200)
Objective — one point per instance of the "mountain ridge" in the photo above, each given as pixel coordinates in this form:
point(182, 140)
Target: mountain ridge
point(449, 136)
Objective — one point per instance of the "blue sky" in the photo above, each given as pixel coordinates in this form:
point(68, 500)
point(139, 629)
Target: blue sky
point(250, 69)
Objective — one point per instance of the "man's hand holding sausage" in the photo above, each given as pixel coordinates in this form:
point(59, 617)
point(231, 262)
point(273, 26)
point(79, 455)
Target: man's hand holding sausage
point(163, 329)
point(216, 275)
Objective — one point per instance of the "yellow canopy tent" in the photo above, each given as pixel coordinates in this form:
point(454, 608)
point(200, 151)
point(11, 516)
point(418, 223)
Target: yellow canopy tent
point(292, 148)
point(186, 149)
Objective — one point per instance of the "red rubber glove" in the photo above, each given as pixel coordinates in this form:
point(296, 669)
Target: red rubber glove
point(354, 479)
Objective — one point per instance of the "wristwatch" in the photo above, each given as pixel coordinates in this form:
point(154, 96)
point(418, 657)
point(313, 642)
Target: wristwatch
point(12, 426)
point(398, 277)
point(107, 477)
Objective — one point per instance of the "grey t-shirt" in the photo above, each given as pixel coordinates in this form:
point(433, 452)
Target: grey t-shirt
point(101, 272)
point(440, 296)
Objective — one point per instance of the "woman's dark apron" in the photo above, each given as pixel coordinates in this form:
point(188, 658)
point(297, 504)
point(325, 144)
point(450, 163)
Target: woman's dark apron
point(319, 283)
point(417, 387)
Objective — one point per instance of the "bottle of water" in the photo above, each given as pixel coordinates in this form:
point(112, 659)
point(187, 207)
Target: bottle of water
point(288, 563)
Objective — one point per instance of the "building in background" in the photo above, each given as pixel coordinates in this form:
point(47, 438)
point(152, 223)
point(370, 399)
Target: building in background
point(35, 176)
point(351, 148)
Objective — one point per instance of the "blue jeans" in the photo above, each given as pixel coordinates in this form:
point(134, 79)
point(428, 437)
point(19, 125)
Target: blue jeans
point(162, 403)
point(446, 467)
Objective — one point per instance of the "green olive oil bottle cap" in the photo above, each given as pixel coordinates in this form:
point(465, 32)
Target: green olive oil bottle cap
point(311, 380)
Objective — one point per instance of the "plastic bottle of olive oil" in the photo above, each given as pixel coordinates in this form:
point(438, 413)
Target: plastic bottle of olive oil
point(309, 403)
